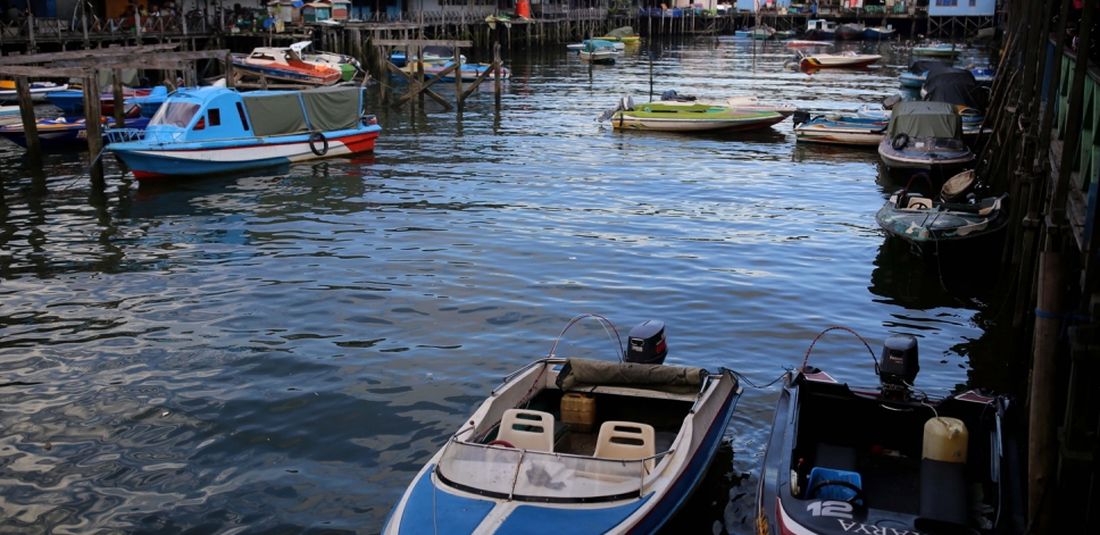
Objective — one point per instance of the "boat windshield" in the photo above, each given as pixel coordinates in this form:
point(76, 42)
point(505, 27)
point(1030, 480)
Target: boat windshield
point(539, 476)
point(175, 114)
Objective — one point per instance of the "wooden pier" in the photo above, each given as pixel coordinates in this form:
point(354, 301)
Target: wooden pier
point(1043, 151)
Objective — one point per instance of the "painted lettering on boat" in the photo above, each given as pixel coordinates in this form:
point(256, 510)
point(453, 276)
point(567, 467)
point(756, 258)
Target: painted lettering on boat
point(858, 527)
point(831, 508)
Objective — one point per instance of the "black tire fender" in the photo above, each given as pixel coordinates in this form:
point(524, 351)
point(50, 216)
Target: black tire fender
point(318, 139)
point(900, 141)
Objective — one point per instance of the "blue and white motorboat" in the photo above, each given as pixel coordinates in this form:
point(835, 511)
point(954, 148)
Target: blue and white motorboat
point(8, 113)
point(212, 130)
point(879, 33)
point(917, 73)
point(38, 90)
point(836, 129)
point(63, 132)
point(569, 445)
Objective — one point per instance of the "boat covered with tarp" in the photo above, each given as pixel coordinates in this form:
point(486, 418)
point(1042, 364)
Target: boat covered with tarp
point(212, 130)
point(888, 459)
point(572, 445)
point(925, 136)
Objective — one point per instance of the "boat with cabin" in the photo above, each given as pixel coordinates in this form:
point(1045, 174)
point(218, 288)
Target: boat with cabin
point(687, 116)
point(576, 445)
point(925, 136)
point(890, 459)
point(286, 64)
point(213, 130)
point(820, 29)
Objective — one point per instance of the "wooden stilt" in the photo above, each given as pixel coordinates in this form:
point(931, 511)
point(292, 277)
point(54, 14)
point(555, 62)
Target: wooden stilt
point(26, 111)
point(92, 128)
point(120, 104)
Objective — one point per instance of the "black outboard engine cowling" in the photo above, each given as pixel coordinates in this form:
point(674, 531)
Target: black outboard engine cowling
point(800, 116)
point(646, 343)
point(899, 364)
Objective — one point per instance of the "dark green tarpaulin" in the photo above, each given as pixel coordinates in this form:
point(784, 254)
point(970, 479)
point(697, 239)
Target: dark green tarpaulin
point(275, 113)
point(924, 119)
point(332, 108)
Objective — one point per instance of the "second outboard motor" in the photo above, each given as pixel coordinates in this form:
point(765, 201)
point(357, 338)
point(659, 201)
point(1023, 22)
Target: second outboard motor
point(646, 343)
point(800, 116)
point(899, 363)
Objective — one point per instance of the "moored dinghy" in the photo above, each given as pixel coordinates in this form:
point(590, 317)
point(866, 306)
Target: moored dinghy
point(212, 130)
point(599, 51)
point(689, 116)
point(576, 446)
point(846, 60)
point(953, 221)
point(890, 459)
point(837, 129)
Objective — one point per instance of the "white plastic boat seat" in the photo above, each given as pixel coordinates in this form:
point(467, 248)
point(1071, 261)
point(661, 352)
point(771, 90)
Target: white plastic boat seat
point(625, 441)
point(918, 203)
point(527, 429)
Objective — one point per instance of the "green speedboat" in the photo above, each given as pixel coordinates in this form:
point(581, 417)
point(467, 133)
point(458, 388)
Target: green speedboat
point(670, 116)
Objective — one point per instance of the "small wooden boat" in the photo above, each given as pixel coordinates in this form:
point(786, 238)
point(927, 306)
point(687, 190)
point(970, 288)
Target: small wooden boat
point(599, 51)
point(879, 33)
point(948, 222)
point(574, 445)
point(850, 32)
point(836, 61)
point(838, 130)
point(938, 50)
point(38, 90)
point(211, 130)
point(668, 116)
point(286, 64)
point(925, 136)
point(820, 29)
point(61, 132)
point(890, 459)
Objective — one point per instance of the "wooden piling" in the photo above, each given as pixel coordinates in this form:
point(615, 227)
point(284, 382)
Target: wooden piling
point(120, 104)
point(26, 111)
point(92, 128)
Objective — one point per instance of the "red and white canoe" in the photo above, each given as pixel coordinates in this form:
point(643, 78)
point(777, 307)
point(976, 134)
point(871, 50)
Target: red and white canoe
point(834, 61)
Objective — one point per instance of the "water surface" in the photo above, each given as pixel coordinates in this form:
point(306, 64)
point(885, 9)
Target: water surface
point(284, 351)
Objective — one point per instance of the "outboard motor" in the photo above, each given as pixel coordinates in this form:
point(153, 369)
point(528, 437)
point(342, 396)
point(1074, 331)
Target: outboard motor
point(898, 365)
point(800, 116)
point(646, 343)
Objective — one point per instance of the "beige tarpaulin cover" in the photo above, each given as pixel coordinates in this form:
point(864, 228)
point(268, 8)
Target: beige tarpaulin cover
point(582, 373)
